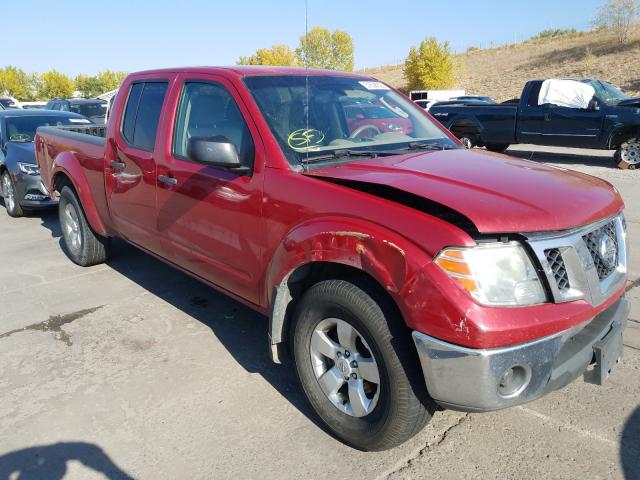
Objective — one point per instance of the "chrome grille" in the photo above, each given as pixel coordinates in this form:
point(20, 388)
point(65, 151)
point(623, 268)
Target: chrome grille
point(587, 262)
point(592, 240)
point(558, 268)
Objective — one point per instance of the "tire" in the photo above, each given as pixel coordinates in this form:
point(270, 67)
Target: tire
point(497, 147)
point(82, 245)
point(384, 414)
point(467, 141)
point(628, 154)
point(9, 195)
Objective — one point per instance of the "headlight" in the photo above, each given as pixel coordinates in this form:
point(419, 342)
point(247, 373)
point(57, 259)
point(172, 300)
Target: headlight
point(29, 168)
point(495, 275)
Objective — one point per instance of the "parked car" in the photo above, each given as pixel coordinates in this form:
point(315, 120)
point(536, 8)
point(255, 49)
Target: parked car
point(21, 187)
point(400, 271)
point(30, 105)
point(10, 102)
point(95, 109)
point(474, 98)
point(582, 112)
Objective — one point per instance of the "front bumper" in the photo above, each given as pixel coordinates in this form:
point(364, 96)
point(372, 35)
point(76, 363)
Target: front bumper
point(31, 192)
point(469, 379)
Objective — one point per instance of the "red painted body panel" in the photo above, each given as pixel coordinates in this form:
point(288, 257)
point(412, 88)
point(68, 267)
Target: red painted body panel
point(246, 234)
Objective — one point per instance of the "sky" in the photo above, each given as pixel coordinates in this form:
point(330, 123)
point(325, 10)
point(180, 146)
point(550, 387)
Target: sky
point(89, 36)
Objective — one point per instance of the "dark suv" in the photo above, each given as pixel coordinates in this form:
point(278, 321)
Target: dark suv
point(94, 109)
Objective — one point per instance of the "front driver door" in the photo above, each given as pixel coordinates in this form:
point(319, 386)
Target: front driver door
point(209, 218)
point(572, 127)
point(131, 165)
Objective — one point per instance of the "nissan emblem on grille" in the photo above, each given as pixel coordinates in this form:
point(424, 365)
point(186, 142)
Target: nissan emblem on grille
point(602, 244)
point(607, 250)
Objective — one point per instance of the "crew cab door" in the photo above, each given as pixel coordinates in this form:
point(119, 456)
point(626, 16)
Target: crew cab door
point(131, 164)
point(209, 218)
point(573, 127)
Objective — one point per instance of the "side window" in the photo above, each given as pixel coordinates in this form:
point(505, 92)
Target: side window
point(129, 118)
point(209, 110)
point(142, 114)
point(64, 106)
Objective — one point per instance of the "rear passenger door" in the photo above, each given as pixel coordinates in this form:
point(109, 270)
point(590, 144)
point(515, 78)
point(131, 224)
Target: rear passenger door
point(131, 164)
point(208, 217)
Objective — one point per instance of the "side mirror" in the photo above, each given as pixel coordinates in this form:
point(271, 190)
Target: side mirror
point(217, 151)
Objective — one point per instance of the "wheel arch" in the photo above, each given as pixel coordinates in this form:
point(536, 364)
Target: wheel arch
point(339, 248)
point(299, 280)
point(67, 172)
point(622, 133)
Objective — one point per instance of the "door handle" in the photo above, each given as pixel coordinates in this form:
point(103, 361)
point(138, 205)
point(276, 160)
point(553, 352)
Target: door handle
point(115, 165)
point(169, 181)
point(546, 117)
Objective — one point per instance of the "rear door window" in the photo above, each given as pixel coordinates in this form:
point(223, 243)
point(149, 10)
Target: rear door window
point(142, 114)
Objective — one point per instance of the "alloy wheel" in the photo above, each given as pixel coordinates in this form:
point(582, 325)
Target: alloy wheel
point(71, 228)
point(630, 152)
point(8, 193)
point(345, 367)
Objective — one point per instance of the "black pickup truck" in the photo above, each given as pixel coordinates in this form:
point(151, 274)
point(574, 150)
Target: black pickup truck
point(610, 121)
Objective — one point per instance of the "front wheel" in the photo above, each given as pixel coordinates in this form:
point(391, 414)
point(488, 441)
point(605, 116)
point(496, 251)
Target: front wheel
point(9, 194)
point(628, 155)
point(497, 147)
point(358, 367)
point(83, 246)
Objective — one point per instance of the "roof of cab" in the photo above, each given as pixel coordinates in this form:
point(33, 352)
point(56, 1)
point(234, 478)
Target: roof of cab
point(246, 70)
point(38, 112)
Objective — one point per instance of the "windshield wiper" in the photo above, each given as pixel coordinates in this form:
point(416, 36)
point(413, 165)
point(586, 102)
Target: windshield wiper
point(427, 146)
point(345, 154)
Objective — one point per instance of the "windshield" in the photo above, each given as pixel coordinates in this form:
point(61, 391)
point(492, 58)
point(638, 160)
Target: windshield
point(317, 115)
point(23, 129)
point(607, 92)
point(90, 110)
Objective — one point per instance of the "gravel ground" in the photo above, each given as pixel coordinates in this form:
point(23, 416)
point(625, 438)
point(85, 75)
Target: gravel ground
point(134, 370)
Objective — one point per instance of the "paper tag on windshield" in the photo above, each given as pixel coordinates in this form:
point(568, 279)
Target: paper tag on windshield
point(371, 85)
point(79, 120)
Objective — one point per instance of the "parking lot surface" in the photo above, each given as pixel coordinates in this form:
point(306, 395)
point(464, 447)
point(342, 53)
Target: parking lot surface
point(135, 370)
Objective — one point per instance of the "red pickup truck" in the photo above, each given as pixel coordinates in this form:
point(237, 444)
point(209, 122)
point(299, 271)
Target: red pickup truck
point(399, 270)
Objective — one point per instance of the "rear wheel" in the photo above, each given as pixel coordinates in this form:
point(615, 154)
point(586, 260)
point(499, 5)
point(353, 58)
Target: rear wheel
point(467, 141)
point(83, 246)
point(497, 147)
point(628, 155)
point(358, 367)
point(9, 194)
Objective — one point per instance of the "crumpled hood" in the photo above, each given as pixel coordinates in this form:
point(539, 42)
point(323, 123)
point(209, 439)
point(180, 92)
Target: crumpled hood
point(630, 102)
point(499, 194)
point(21, 152)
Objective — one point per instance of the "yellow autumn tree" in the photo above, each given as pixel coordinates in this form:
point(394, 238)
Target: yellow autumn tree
point(430, 66)
point(277, 55)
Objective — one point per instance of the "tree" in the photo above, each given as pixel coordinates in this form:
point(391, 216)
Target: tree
point(618, 15)
point(430, 66)
point(18, 84)
point(110, 80)
point(321, 49)
point(98, 84)
point(277, 55)
point(54, 84)
point(88, 86)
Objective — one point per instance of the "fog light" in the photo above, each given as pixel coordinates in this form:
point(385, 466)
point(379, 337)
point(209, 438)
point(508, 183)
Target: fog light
point(514, 381)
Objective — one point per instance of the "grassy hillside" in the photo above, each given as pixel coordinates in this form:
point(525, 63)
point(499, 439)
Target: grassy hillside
point(501, 72)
